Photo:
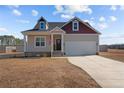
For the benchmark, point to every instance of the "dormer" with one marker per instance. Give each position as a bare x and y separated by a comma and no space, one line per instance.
43,24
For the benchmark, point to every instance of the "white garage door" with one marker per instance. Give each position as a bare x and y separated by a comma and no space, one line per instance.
80,47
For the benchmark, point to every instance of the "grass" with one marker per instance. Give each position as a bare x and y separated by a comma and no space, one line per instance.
113,55
42,72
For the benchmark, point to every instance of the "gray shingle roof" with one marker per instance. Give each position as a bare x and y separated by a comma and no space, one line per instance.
51,25
54,24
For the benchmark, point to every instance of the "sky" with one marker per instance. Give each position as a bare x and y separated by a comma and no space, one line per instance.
107,19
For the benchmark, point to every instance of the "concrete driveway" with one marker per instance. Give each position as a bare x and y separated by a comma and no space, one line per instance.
106,72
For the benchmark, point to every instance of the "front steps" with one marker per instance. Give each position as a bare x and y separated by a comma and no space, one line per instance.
57,54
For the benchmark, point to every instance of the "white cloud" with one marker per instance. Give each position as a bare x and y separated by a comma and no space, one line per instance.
35,12
2,29
59,8
92,18
87,20
113,18
72,9
113,8
16,6
102,26
91,22
17,12
66,16
121,7
13,6
23,21
102,19
114,35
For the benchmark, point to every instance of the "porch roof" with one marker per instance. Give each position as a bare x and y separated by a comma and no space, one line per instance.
57,30
36,33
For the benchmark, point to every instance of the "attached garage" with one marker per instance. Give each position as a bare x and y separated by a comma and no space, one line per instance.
80,47
81,44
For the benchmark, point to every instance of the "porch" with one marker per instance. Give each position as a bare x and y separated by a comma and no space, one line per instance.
57,42
53,42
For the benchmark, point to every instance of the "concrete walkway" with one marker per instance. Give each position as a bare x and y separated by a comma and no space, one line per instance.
106,72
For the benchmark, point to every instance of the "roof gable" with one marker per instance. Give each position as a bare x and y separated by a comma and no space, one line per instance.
85,23
42,19
57,30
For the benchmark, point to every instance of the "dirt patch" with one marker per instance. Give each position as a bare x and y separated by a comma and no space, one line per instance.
42,72
113,55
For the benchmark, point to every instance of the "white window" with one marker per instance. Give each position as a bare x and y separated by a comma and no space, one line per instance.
75,25
42,25
40,41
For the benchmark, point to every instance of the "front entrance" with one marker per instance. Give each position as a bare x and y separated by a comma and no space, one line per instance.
58,44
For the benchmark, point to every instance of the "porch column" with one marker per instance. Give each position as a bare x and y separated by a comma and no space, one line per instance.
51,44
24,43
62,43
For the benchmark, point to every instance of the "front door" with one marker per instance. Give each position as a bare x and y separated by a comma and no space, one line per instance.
58,44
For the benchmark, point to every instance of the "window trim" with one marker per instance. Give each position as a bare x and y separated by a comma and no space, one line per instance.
39,37
40,25
75,21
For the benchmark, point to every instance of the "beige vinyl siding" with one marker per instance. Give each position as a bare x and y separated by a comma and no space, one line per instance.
67,38
79,37
31,44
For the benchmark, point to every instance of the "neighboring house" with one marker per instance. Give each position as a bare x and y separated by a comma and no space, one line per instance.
7,40
10,43
74,37
10,40
19,41
116,46
103,48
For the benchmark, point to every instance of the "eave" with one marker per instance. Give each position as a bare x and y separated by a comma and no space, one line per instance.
36,33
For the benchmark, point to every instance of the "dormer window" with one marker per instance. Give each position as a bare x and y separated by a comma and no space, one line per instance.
42,25
75,25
